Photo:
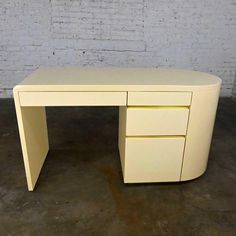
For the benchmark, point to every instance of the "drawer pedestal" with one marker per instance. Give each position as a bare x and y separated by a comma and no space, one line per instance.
152,135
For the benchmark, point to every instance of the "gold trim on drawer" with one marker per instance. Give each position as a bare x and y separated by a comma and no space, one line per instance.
157,107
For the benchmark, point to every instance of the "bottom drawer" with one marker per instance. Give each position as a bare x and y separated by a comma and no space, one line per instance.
157,159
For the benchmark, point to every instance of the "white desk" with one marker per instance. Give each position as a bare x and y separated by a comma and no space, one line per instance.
166,117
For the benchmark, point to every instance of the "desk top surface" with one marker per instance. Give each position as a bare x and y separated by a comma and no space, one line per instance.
115,79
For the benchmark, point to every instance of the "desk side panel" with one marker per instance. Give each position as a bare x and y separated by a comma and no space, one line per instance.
32,127
199,133
122,134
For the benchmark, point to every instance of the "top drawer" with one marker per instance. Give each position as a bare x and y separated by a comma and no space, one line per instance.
159,98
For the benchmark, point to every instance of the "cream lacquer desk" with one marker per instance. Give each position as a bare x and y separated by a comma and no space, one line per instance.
166,117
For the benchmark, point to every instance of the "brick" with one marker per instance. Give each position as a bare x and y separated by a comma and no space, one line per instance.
198,35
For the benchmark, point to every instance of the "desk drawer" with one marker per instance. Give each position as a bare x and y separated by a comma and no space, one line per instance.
72,98
159,98
153,159
156,121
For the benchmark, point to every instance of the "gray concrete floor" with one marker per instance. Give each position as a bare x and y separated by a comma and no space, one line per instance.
80,189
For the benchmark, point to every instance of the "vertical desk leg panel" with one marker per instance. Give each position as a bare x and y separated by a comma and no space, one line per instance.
199,134
32,126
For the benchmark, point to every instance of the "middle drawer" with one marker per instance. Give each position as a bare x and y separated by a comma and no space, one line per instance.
156,121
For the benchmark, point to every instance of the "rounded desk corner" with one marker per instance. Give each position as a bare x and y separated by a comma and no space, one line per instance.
212,81
218,81
192,178
17,88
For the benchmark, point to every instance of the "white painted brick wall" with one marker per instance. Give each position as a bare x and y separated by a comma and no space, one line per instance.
199,35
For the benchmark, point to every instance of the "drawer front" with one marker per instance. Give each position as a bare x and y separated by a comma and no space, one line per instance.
153,159
73,98
159,98
157,121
